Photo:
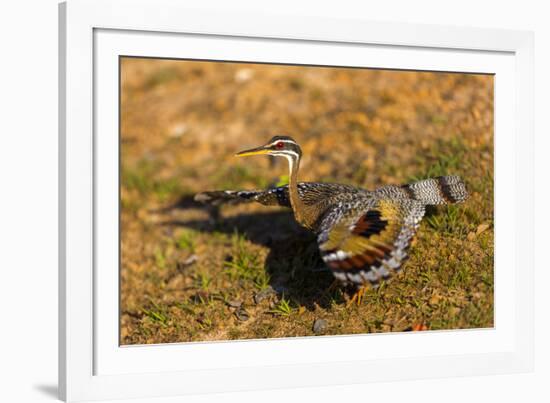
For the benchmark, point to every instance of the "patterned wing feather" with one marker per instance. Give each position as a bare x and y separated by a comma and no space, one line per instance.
366,245
310,193
271,197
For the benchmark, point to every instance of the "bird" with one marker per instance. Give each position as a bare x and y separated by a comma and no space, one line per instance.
363,235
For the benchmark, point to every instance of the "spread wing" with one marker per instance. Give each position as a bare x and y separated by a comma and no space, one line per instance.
366,241
310,193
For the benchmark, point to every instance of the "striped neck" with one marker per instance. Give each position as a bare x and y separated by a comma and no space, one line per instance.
298,207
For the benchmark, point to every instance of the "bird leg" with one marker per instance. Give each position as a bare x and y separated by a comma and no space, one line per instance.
357,297
334,285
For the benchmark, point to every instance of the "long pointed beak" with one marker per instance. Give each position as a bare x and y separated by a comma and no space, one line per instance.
253,151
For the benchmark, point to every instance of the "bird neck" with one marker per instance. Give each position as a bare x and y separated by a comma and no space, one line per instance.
298,207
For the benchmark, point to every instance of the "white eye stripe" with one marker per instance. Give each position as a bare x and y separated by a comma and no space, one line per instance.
286,153
282,141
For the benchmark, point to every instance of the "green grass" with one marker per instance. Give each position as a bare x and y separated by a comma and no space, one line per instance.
156,314
162,76
282,308
296,83
203,281
160,259
244,265
262,280
142,178
445,157
449,220
234,176
187,241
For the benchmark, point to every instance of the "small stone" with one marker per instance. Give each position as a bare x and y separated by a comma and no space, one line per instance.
264,294
187,262
200,297
320,326
242,314
243,75
234,303
178,130
191,259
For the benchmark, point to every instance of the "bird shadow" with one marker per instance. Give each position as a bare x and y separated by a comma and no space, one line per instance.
294,266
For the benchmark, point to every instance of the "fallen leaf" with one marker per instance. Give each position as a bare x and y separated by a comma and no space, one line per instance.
481,228
434,300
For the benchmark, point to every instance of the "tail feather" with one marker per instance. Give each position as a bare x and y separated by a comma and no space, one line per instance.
440,190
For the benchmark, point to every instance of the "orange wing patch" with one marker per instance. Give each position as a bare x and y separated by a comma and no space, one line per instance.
368,246
370,224
366,242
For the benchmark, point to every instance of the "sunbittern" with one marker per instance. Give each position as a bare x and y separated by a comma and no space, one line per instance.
363,235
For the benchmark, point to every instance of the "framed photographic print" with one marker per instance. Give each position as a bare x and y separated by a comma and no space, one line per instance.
378,229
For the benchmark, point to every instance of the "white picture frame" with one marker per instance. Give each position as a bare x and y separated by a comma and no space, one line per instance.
93,34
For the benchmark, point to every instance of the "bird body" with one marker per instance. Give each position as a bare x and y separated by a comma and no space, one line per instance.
363,235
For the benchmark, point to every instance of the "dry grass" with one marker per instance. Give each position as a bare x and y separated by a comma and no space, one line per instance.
195,274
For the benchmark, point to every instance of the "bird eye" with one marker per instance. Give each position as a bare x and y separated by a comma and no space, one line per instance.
279,145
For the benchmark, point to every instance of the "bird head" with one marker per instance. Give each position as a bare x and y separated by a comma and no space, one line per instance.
280,146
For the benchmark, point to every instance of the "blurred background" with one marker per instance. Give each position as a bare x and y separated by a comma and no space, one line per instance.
191,273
